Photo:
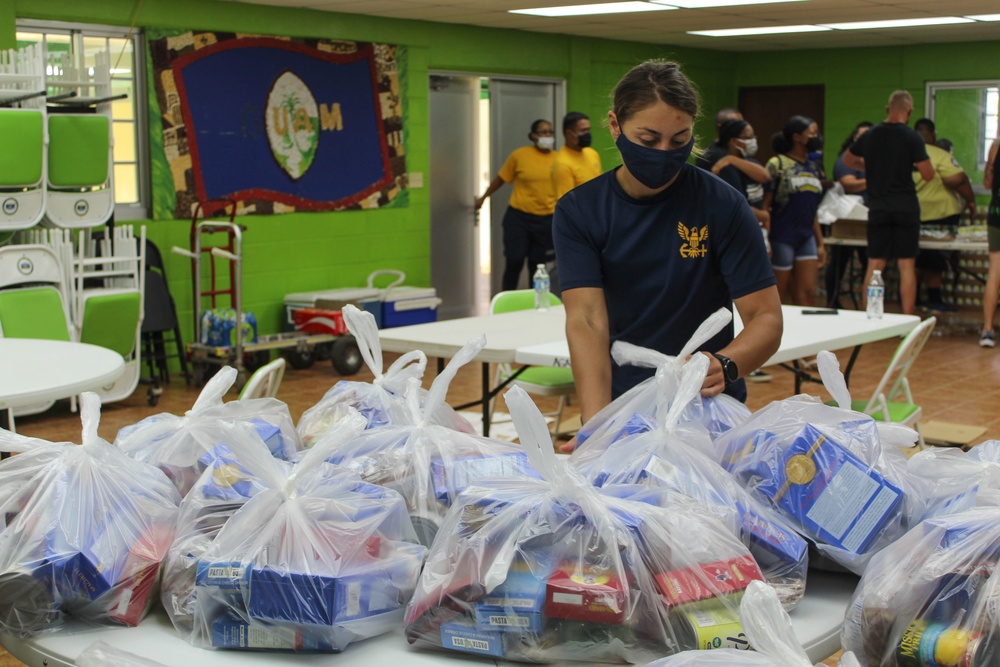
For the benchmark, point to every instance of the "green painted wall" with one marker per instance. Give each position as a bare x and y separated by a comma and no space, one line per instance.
858,81
957,116
308,251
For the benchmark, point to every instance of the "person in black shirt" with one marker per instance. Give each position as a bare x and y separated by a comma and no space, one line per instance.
991,180
887,154
716,150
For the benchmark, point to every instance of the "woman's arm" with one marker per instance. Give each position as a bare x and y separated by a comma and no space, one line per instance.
989,175
853,184
757,172
495,185
589,347
759,340
820,243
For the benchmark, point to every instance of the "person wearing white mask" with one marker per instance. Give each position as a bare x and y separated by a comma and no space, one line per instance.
527,224
648,250
740,170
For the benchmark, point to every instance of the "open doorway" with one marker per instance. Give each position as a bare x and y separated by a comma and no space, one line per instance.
475,123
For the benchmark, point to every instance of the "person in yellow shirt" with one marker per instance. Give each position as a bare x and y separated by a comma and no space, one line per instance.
576,162
527,224
941,205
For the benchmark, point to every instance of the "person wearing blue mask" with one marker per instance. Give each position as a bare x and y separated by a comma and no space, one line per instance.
648,250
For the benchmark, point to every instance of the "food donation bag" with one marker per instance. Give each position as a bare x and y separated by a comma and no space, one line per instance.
314,560
427,463
931,599
638,408
972,476
553,569
183,447
673,460
769,631
381,401
84,528
826,471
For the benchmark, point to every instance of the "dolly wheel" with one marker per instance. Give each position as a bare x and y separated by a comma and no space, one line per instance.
346,356
299,359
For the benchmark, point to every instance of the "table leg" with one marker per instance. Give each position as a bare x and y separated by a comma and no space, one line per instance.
850,365
4,424
440,365
486,400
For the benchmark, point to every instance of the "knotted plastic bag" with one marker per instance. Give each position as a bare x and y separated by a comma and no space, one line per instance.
553,569
315,560
82,530
382,401
673,460
932,597
430,464
184,446
638,408
828,471
956,475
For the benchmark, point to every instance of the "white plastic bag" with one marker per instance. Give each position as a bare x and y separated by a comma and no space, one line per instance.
957,476
102,654
381,401
552,569
932,597
82,530
427,463
673,459
837,205
184,446
315,560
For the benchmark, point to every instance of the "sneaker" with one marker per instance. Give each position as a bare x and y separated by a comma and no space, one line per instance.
759,376
987,339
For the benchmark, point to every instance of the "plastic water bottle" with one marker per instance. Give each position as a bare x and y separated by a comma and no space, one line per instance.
876,296
541,283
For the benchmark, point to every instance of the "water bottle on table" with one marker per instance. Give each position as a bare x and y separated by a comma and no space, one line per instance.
876,296
541,283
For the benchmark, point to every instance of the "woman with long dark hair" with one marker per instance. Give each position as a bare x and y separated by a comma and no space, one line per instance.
797,248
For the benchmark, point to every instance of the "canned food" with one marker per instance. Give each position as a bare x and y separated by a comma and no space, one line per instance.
929,644
708,625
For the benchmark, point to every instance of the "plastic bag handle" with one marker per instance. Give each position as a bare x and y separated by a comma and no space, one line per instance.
532,431
768,627
343,431
90,417
692,378
361,323
708,329
215,389
439,388
412,364
627,354
833,378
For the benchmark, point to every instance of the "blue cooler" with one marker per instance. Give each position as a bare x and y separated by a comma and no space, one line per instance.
402,306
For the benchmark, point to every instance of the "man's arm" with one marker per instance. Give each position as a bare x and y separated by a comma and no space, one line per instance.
853,184
925,168
759,340
855,162
961,184
757,172
989,175
589,338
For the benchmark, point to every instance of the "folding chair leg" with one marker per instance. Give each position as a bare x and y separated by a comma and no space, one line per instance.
559,411
920,437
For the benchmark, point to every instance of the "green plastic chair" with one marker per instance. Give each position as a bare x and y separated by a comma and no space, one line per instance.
538,380
22,168
80,192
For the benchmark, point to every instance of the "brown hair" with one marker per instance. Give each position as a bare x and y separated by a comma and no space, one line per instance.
651,82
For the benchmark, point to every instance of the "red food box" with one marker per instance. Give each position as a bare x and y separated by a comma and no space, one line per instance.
708,580
590,595
319,321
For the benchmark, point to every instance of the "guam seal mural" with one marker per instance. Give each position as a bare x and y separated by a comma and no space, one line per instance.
292,121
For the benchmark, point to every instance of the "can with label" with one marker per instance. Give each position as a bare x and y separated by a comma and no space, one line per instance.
932,644
708,624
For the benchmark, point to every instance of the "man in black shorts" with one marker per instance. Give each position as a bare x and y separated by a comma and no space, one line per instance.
888,154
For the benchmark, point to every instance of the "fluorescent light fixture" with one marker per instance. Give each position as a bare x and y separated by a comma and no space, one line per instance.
702,4
600,8
765,30
898,23
985,17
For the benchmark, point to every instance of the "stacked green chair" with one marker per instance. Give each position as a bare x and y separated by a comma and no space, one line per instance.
22,135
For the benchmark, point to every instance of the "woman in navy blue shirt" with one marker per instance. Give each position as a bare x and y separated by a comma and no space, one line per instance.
647,251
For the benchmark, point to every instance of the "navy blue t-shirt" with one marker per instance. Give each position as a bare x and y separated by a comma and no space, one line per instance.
840,170
753,190
665,263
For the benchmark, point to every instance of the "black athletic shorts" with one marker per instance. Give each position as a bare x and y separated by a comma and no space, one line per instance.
893,234
934,260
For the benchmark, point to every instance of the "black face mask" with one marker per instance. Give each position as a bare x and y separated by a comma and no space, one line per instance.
652,167
814,144
584,140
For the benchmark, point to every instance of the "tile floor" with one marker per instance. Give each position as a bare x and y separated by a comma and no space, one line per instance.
954,380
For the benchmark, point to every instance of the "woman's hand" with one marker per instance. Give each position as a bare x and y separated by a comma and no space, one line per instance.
821,255
721,164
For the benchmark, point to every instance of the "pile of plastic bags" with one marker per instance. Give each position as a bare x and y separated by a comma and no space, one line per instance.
82,530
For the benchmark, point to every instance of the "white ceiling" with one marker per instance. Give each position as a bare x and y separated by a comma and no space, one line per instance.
670,27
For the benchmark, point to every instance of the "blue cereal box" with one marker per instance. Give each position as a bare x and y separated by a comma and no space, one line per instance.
515,605
231,631
464,636
224,575
834,494
451,478
769,540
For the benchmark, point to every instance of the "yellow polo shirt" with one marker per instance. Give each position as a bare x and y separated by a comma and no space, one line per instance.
936,200
531,172
574,168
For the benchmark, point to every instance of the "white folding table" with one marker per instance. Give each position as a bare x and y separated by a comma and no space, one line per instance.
816,621
34,371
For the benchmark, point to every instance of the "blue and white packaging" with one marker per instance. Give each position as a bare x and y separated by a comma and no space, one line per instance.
454,476
226,576
464,636
515,605
231,631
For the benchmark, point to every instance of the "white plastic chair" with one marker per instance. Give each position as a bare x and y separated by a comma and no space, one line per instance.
884,404
265,381
538,380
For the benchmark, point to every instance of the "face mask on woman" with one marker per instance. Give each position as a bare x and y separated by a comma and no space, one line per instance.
652,167
749,147
546,143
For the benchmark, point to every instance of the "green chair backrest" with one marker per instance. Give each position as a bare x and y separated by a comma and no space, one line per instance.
111,320
524,299
23,147
35,312
78,150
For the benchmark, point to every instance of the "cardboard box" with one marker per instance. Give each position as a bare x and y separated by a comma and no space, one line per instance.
769,541
585,595
850,229
451,478
465,637
515,605
709,580
231,631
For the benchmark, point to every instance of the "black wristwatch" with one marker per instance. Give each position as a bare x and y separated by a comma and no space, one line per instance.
729,370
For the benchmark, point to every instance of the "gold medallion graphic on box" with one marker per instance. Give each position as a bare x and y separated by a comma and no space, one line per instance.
694,238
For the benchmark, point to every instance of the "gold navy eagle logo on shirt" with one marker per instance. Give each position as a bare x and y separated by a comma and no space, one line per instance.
693,239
